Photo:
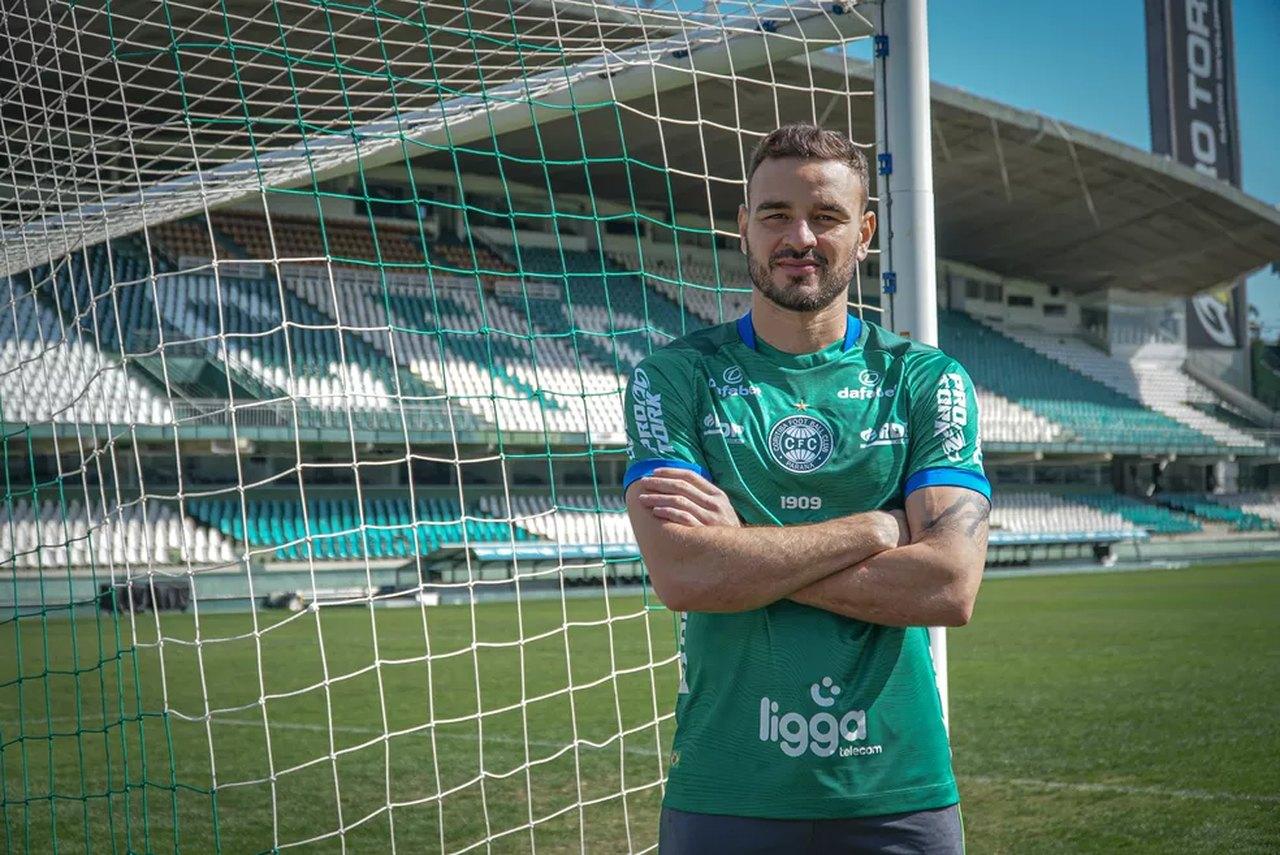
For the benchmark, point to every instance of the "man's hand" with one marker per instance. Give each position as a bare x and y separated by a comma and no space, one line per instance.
701,558
685,497
931,581
904,528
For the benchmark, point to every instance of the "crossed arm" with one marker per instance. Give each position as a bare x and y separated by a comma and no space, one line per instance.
921,568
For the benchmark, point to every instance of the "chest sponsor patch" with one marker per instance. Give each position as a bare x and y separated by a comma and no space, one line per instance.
800,443
889,433
731,431
734,385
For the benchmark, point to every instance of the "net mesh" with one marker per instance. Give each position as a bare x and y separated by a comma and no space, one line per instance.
314,327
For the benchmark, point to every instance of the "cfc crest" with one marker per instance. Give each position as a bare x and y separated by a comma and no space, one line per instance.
800,443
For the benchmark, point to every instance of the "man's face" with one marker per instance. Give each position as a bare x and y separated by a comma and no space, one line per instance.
805,231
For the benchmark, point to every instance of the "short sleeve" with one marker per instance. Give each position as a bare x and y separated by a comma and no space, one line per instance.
662,422
945,447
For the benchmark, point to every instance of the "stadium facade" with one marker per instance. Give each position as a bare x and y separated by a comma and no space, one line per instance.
336,306
443,341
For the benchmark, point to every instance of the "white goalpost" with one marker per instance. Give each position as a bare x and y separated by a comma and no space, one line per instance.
908,249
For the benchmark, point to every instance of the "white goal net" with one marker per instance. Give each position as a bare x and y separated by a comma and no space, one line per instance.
314,324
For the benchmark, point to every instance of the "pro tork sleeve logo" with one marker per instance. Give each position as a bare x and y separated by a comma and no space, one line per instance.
953,416
651,429
800,443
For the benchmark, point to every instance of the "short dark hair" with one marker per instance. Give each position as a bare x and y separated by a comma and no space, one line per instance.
807,141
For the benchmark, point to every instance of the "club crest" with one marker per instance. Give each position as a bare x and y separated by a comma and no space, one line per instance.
800,443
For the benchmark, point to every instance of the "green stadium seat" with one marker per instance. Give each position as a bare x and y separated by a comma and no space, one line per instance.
1206,508
334,526
1092,412
1156,519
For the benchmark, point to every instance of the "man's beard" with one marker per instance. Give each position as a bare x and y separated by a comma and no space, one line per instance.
832,283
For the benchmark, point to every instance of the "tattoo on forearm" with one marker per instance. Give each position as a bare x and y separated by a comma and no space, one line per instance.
968,512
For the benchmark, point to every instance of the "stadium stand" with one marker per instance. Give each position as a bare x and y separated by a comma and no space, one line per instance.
335,529
589,279
527,363
282,342
108,293
105,294
354,242
542,374
712,287
1092,412
82,534
392,527
189,238
1037,513
1265,505
523,358
289,238
461,259
483,356
53,375
577,519
1219,509
1163,388
1002,420
206,337
1156,519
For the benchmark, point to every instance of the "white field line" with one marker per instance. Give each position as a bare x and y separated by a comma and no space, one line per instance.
362,729
1074,786
1123,789
501,740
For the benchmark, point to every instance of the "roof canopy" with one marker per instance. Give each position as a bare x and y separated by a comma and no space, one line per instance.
181,120
1017,192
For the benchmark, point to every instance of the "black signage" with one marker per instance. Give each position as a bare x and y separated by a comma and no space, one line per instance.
1192,87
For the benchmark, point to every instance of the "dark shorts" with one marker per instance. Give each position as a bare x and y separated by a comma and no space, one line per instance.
924,832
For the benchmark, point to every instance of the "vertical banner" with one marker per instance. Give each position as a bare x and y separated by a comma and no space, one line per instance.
1191,84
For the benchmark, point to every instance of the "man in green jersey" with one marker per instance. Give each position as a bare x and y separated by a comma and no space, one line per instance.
807,490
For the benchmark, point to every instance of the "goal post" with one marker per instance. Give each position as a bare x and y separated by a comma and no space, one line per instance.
908,249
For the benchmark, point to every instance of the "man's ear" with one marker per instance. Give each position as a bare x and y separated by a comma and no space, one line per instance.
742,228
866,231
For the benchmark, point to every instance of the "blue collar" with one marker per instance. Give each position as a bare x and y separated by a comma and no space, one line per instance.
747,332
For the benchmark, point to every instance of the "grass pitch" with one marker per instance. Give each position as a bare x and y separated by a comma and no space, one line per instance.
1127,712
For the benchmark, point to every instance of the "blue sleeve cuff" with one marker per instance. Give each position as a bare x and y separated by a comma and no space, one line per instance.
947,476
641,468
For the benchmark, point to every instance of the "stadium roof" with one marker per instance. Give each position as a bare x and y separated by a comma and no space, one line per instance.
1017,192
1027,195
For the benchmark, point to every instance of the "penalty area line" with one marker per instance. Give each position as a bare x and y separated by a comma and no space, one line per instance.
1122,789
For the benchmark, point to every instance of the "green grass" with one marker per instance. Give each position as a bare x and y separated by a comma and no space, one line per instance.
1128,712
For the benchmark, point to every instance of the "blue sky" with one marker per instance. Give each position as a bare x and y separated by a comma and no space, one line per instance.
1084,61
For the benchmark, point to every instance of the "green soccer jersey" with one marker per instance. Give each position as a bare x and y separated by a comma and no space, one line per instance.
790,711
